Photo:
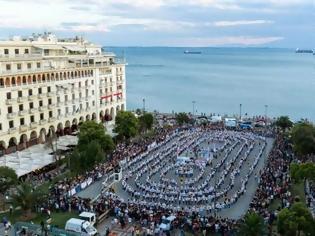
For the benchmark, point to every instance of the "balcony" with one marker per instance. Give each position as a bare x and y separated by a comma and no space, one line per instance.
22,113
41,95
52,119
42,122
21,99
23,128
11,115
51,106
42,108
31,97
50,94
12,130
33,125
59,117
10,101
32,110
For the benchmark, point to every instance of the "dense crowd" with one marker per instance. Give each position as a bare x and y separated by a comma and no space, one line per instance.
273,180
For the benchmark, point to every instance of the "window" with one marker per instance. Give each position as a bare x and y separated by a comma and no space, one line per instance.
0,126
66,98
29,65
21,107
41,116
49,101
58,99
87,105
20,94
16,51
59,112
6,51
80,95
48,89
93,103
79,84
39,90
31,105
86,83
26,51
73,108
92,92
8,95
92,82
32,119
11,124
10,110
67,110
50,114
30,92
73,96
8,67
40,103
38,64
19,66
22,121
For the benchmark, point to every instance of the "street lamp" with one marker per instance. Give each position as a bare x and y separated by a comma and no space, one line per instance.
193,103
241,111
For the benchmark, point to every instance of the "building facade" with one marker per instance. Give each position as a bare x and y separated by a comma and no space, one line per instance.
49,86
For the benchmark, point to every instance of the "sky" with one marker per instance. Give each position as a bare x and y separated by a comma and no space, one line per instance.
199,23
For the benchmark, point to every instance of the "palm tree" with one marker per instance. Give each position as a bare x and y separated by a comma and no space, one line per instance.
253,225
27,198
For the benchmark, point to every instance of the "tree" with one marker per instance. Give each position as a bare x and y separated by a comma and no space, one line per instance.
86,157
27,198
294,220
126,125
146,121
8,178
284,122
92,131
302,171
182,118
253,225
303,138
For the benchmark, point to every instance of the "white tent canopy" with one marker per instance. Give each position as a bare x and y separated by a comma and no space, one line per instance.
35,157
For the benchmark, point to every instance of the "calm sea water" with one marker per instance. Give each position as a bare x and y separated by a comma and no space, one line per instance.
220,79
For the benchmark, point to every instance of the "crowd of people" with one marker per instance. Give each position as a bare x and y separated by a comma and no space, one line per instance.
274,182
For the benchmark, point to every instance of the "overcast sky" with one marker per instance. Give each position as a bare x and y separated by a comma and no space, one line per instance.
271,23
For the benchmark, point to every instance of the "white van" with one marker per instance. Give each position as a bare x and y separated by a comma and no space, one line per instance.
167,223
80,226
88,216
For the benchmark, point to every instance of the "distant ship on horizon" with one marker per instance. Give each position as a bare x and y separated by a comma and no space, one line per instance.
192,52
304,51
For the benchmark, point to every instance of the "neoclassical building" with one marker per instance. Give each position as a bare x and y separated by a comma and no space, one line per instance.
49,86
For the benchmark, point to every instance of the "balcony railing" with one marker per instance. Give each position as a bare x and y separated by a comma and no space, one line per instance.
42,108
33,125
31,97
10,101
52,119
11,115
32,110
42,122
21,99
22,113
12,130
23,128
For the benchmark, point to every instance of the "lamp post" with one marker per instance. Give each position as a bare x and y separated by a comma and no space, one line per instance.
193,103
143,101
240,111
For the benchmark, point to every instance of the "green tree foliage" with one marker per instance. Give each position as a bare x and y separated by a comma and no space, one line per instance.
295,220
303,138
146,122
92,131
27,198
8,178
86,158
182,118
253,225
302,171
126,125
284,122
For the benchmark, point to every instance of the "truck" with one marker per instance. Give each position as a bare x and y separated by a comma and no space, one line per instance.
88,216
80,226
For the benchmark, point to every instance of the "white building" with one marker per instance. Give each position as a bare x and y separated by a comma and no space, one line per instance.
50,85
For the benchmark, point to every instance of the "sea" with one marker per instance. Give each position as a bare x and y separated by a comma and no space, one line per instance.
268,81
